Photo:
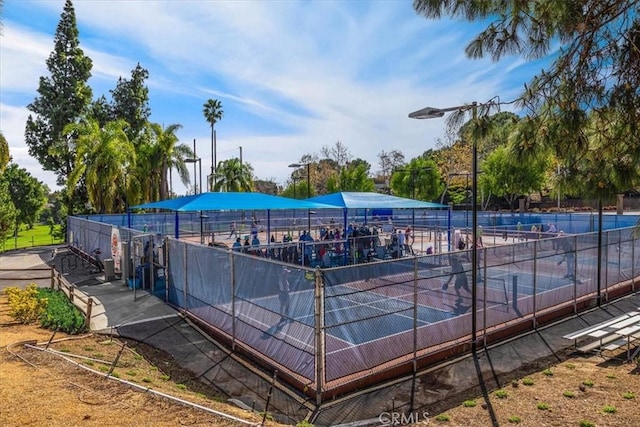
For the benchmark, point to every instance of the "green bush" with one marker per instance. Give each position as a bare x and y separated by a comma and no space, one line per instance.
501,394
51,308
60,313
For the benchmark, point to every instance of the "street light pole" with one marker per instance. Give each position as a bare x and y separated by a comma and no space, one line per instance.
430,113
195,160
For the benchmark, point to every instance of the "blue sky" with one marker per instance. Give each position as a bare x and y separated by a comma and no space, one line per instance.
292,76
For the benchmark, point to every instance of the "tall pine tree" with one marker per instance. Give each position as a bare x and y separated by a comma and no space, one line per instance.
131,102
64,97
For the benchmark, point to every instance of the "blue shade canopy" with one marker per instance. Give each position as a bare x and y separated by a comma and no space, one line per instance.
232,201
356,200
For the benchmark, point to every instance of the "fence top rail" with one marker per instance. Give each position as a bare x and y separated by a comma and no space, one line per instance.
69,286
27,269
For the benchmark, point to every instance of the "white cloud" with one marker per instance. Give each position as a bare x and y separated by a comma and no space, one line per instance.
292,76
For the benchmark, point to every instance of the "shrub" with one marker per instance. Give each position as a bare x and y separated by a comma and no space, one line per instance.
609,409
443,418
24,304
514,419
568,394
629,395
548,372
501,394
60,313
469,403
304,423
587,383
527,381
586,423
542,406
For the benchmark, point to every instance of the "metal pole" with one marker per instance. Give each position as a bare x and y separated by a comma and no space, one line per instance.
309,196
194,167
599,266
320,357
474,250
200,169
466,204
215,159
201,234
448,227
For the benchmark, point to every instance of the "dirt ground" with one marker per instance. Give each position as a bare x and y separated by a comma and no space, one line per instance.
42,388
582,391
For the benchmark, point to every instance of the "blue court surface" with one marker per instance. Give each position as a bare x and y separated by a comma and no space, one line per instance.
384,316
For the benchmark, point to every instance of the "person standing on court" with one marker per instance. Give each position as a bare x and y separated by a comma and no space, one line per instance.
457,272
232,229
283,293
568,255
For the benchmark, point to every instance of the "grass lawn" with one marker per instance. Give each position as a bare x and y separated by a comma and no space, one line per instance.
37,236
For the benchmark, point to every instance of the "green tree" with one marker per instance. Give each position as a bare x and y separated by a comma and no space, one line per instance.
131,102
166,154
596,70
63,99
8,212
4,152
212,111
233,176
355,177
504,176
101,111
420,179
27,194
104,157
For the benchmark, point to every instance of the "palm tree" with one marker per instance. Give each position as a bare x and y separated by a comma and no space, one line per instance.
233,176
104,158
167,153
212,110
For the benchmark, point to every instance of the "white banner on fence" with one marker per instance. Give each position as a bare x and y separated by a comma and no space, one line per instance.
116,250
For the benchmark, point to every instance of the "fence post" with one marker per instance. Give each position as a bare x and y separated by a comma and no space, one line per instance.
71,288
53,277
320,356
88,318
